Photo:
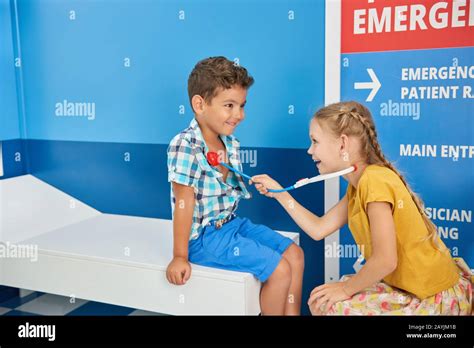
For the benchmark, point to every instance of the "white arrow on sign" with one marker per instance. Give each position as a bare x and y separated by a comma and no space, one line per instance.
374,85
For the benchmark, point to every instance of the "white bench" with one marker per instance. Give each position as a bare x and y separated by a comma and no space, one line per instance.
108,258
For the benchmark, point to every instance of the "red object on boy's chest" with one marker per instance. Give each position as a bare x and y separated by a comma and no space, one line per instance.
213,158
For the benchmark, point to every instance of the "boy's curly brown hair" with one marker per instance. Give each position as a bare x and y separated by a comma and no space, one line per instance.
213,73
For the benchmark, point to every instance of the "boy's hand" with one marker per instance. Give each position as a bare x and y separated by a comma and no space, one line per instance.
263,183
178,271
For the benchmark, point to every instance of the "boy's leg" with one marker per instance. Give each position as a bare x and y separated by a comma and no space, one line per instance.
274,293
295,257
293,254
227,249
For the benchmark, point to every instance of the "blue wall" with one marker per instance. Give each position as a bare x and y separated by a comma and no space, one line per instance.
15,157
9,120
129,60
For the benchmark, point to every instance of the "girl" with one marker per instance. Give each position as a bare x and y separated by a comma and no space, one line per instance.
409,269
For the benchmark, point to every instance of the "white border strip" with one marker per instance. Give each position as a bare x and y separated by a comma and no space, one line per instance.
332,94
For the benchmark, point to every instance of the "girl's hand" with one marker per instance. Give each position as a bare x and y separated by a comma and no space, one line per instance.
263,183
324,296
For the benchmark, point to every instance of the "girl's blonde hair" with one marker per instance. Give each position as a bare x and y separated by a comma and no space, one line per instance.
354,119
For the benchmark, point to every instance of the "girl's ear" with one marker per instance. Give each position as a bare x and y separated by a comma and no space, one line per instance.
198,104
344,142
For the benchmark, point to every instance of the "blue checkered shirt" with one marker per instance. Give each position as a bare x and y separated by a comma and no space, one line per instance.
187,165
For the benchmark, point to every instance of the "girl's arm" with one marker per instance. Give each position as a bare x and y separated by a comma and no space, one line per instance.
383,260
316,227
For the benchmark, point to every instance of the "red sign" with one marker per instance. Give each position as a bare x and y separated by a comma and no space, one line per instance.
387,25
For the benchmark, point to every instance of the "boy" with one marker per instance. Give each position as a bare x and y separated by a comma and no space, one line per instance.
204,199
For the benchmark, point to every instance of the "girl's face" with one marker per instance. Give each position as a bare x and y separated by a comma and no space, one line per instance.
326,150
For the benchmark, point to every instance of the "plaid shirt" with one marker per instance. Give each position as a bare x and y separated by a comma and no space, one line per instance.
187,165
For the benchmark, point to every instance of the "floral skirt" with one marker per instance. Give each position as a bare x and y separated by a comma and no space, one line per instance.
382,299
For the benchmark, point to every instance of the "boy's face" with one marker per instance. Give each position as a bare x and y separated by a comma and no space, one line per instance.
224,112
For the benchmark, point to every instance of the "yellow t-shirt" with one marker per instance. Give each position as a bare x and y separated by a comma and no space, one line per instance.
422,269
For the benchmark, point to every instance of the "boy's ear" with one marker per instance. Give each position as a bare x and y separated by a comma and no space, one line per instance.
198,104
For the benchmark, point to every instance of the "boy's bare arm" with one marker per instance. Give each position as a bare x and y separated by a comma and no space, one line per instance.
179,269
182,218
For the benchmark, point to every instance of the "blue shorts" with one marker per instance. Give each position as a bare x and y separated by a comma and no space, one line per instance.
239,245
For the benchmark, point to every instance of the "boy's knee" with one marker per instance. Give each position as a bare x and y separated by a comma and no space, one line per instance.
295,255
282,272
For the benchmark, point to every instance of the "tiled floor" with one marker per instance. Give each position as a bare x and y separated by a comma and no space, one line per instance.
38,303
